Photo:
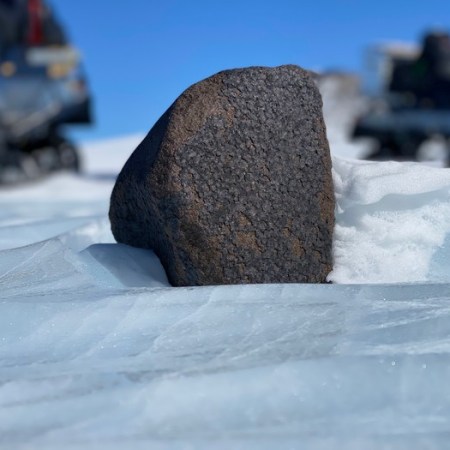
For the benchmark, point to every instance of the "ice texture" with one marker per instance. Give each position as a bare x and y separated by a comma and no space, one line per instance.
98,351
87,358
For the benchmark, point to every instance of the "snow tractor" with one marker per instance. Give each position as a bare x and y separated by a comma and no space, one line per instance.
42,87
409,88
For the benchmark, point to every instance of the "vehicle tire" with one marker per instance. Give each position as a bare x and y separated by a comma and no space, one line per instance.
435,150
46,158
69,158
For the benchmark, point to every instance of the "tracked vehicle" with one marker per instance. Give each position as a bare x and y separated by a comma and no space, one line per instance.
410,100
42,87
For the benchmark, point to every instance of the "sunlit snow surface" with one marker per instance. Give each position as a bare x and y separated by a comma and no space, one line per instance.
98,351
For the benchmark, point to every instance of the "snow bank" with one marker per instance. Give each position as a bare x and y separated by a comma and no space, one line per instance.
392,222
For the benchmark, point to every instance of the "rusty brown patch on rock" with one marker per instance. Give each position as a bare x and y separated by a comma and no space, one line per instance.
294,242
194,107
244,221
297,247
248,240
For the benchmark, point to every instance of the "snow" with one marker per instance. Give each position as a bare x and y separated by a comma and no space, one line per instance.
392,223
98,351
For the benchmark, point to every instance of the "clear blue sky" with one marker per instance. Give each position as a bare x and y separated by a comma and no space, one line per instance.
141,54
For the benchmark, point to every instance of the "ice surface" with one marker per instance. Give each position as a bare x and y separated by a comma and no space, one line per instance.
111,364
88,362
98,351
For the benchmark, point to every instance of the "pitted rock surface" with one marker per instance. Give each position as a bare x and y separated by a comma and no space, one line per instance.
233,183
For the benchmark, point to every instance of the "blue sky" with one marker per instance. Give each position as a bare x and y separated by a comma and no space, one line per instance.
141,54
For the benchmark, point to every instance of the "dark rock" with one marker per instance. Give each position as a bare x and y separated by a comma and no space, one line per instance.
233,183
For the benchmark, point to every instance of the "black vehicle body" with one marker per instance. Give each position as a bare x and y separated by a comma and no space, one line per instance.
40,90
412,104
